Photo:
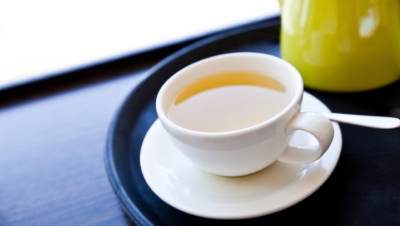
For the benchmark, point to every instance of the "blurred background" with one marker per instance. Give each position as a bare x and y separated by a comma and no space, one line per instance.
43,38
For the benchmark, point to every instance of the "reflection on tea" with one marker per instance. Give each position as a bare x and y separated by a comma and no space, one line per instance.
229,101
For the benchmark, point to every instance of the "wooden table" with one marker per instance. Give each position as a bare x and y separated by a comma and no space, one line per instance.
53,135
52,141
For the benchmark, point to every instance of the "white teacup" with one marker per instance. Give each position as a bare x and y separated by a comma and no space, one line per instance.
234,114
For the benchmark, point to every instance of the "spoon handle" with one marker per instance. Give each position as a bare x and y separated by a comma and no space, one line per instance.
379,122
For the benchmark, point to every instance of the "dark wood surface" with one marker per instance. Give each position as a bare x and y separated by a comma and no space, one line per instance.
53,136
52,141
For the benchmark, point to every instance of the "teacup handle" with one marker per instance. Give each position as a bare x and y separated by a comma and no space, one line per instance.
317,125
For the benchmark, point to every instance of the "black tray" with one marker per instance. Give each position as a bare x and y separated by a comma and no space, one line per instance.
364,189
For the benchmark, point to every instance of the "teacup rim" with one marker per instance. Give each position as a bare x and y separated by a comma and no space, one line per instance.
297,95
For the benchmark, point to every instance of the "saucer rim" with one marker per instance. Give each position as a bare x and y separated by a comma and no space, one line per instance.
336,147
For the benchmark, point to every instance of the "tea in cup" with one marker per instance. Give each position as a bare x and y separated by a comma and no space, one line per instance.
234,114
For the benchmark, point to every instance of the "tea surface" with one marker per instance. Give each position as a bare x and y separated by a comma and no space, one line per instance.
229,101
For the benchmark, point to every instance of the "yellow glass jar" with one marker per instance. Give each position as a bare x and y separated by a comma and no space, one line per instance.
342,45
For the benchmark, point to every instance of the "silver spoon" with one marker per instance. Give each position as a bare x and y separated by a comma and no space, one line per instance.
378,122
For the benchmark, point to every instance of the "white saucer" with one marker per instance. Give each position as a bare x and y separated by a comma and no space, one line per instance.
182,185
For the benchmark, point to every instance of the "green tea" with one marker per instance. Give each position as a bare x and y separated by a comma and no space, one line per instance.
229,101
